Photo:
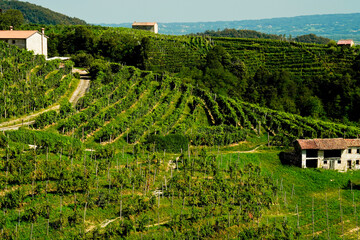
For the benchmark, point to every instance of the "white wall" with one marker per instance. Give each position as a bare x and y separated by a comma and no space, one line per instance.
38,44
353,156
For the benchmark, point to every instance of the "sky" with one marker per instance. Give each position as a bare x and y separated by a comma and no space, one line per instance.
121,11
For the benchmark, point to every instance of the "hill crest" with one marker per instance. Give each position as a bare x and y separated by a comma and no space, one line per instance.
39,15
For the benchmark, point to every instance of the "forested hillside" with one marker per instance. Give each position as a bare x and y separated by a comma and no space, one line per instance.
39,15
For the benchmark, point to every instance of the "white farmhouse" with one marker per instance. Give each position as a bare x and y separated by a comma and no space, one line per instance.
148,26
334,153
30,40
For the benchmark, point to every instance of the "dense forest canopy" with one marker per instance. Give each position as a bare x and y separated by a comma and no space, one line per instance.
39,15
11,17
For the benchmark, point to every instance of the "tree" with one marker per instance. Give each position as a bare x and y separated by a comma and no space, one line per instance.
11,18
312,106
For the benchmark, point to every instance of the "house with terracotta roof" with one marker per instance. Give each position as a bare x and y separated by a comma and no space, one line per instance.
346,42
29,40
333,153
148,26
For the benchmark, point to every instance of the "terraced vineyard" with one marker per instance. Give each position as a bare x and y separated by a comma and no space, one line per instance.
172,53
28,83
139,104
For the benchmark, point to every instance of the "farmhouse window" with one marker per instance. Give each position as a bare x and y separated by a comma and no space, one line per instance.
325,162
357,162
14,42
358,150
311,153
339,161
349,150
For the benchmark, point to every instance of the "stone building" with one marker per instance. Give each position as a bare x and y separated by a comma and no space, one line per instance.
148,26
335,153
30,40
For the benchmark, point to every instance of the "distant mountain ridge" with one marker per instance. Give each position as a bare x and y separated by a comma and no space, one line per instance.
333,26
40,15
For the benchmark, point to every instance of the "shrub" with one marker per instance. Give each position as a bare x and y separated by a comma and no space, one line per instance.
65,108
45,119
82,59
171,143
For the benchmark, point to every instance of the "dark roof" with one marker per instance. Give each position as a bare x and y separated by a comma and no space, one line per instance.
328,143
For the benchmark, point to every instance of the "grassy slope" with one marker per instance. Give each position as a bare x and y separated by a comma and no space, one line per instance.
309,184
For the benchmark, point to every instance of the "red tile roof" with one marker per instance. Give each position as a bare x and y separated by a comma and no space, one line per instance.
144,23
345,42
17,34
353,142
328,144
307,144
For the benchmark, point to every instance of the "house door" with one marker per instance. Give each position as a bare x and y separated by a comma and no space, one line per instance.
332,164
349,164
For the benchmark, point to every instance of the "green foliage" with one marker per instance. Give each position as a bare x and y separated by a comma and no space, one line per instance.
82,59
46,119
12,199
171,143
46,140
239,34
28,83
11,18
274,231
65,108
312,38
40,15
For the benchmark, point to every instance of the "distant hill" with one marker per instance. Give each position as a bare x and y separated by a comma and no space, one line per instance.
333,26
40,15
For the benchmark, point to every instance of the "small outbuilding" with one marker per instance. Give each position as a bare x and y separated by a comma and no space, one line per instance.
346,42
335,153
148,26
29,40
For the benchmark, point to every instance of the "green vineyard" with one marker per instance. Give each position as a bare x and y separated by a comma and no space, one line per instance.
173,139
137,104
28,83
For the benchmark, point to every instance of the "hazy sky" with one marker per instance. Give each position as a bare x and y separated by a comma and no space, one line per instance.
120,11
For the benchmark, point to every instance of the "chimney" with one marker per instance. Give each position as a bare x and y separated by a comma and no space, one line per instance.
11,28
42,40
